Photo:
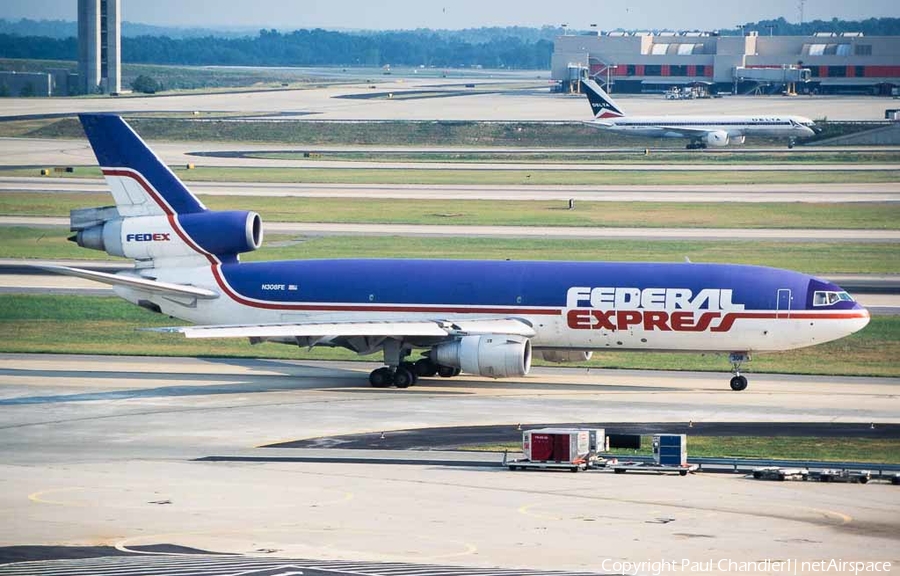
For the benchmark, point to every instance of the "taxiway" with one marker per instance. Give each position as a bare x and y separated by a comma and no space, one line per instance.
103,450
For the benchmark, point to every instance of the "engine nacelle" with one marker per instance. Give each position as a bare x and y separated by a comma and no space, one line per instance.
491,355
716,139
564,356
225,233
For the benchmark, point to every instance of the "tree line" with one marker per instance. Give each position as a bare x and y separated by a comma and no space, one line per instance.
513,47
305,48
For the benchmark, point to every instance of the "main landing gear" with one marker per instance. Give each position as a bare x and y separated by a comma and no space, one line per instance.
738,382
402,373
696,145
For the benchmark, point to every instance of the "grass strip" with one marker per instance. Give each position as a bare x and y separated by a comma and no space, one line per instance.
517,177
108,325
810,257
852,215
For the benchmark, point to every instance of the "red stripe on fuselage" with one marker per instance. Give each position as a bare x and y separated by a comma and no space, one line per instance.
729,318
164,206
727,321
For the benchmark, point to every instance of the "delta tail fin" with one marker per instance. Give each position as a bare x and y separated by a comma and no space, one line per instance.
602,104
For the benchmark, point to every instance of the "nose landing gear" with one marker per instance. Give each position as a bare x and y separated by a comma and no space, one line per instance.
738,382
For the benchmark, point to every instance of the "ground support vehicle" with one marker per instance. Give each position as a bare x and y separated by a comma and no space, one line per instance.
622,467
780,474
849,476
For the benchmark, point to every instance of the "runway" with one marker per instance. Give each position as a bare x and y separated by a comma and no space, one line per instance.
101,450
824,193
326,103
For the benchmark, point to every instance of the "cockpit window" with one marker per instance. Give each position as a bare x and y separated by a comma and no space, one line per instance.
827,298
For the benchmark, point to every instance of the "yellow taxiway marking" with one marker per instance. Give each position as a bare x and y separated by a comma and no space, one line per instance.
39,496
845,519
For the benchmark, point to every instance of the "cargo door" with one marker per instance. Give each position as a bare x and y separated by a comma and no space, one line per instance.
561,447
541,447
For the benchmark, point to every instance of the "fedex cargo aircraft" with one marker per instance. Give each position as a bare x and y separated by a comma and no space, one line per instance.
479,317
703,131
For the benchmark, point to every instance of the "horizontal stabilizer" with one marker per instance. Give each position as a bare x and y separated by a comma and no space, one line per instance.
398,329
135,282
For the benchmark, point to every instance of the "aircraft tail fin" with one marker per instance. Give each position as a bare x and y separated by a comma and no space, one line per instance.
140,182
602,104
156,220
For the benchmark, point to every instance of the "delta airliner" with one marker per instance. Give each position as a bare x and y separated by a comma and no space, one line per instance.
703,131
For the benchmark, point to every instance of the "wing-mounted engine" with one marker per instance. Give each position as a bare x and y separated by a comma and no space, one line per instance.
223,234
491,355
565,356
716,138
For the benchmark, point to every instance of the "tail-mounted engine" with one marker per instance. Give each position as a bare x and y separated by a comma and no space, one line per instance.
224,234
491,355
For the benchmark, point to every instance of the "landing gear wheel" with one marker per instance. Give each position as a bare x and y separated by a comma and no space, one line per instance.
403,378
381,378
447,371
412,370
739,383
790,143
425,368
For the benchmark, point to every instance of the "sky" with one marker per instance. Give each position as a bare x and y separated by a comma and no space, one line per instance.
455,14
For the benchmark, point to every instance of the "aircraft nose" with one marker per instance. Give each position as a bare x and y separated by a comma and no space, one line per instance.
863,316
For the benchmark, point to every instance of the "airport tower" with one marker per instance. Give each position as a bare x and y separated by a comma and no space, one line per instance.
99,46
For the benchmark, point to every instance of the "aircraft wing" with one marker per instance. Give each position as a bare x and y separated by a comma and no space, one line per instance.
388,329
688,132
136,282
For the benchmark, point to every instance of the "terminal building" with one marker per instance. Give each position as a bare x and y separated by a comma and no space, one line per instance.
824,63
99,46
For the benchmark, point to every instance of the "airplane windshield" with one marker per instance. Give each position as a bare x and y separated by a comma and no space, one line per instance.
827,298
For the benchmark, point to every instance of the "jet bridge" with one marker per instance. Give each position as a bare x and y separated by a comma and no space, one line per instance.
787,76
